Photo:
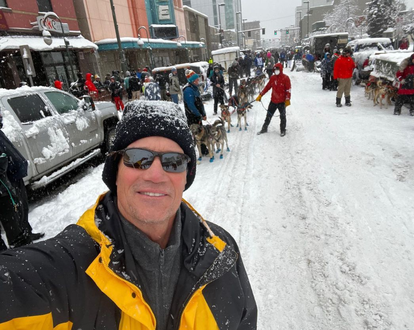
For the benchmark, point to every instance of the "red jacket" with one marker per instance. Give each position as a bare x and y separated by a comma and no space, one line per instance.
58,84
89,83
280,85
406,77
344,67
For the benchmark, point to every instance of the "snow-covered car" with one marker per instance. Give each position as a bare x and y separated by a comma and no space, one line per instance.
363,49
385,65
54,130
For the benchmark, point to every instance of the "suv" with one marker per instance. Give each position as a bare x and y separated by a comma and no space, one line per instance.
55,131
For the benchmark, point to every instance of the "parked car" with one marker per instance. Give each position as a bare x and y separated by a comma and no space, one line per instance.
54,130
198,67
362,50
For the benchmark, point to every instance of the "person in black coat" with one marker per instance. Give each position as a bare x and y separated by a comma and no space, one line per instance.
13,197
217,80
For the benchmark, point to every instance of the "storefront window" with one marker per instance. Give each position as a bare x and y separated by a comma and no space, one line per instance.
55,63
44,5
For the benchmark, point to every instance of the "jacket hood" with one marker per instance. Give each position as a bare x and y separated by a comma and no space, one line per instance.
88,76
279,66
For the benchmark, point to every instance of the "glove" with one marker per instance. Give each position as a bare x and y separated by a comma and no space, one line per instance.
287,103
258,98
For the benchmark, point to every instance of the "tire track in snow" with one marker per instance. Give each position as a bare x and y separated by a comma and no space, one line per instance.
338,287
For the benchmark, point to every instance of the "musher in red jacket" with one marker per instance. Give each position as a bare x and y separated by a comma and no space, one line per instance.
280,85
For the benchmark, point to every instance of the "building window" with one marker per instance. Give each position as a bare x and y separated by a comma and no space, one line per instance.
44,5
3,3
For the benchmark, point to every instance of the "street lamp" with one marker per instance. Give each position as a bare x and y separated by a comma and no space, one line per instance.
121,52
218,9
237,28
140,43
244,20
47,38
300,24
307,2
180,45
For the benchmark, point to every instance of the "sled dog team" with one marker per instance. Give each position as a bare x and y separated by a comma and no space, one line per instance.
214,136
380,92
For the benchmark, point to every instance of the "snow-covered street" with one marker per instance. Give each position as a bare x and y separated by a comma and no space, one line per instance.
324,216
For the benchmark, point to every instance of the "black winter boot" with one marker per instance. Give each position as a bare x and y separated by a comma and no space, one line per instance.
348,101
338,102
263,130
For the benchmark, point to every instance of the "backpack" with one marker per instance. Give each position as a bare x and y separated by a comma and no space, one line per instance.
6,188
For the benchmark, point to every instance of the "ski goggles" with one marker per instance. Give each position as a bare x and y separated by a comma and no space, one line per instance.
172,162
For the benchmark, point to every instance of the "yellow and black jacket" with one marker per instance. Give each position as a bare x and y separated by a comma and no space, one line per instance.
84,279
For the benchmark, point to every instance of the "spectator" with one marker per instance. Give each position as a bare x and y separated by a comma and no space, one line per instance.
14,215
162,83
126,85
404,44
115,88
136,86
98,83
92,91
217,80
174,85
270,63
343,70
405,77
152,90
233,72
58,83
258,62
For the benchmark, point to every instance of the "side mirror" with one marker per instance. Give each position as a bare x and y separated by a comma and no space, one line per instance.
88,103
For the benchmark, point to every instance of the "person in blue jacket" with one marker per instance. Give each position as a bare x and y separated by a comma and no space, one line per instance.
194,107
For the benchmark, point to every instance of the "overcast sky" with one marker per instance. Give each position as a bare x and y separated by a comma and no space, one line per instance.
276,14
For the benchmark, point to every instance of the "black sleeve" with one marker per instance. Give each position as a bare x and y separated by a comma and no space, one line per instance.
248,319
47,278
17,167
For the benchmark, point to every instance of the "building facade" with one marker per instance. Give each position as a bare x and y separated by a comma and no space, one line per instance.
151,33
43,58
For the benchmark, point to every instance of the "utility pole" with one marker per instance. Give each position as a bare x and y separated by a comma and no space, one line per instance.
121,51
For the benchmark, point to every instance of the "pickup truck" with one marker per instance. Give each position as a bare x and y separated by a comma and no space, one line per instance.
55,131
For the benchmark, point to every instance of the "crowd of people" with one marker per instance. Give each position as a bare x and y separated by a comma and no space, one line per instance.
131,86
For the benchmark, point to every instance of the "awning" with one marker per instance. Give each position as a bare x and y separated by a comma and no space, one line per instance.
132,43
36,43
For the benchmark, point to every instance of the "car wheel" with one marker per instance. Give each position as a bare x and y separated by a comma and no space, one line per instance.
109,139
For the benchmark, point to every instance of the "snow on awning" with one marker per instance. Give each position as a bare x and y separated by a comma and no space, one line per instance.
36,43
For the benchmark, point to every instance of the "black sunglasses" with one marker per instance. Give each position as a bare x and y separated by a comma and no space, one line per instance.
142,159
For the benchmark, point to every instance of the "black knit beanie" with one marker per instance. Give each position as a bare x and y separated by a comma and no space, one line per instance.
150,118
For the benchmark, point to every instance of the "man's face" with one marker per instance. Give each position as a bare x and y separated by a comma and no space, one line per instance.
196,82
150,197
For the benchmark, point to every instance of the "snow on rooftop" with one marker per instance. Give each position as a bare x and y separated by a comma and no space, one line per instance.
194,11
37,43
371,40
225,50
132,39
